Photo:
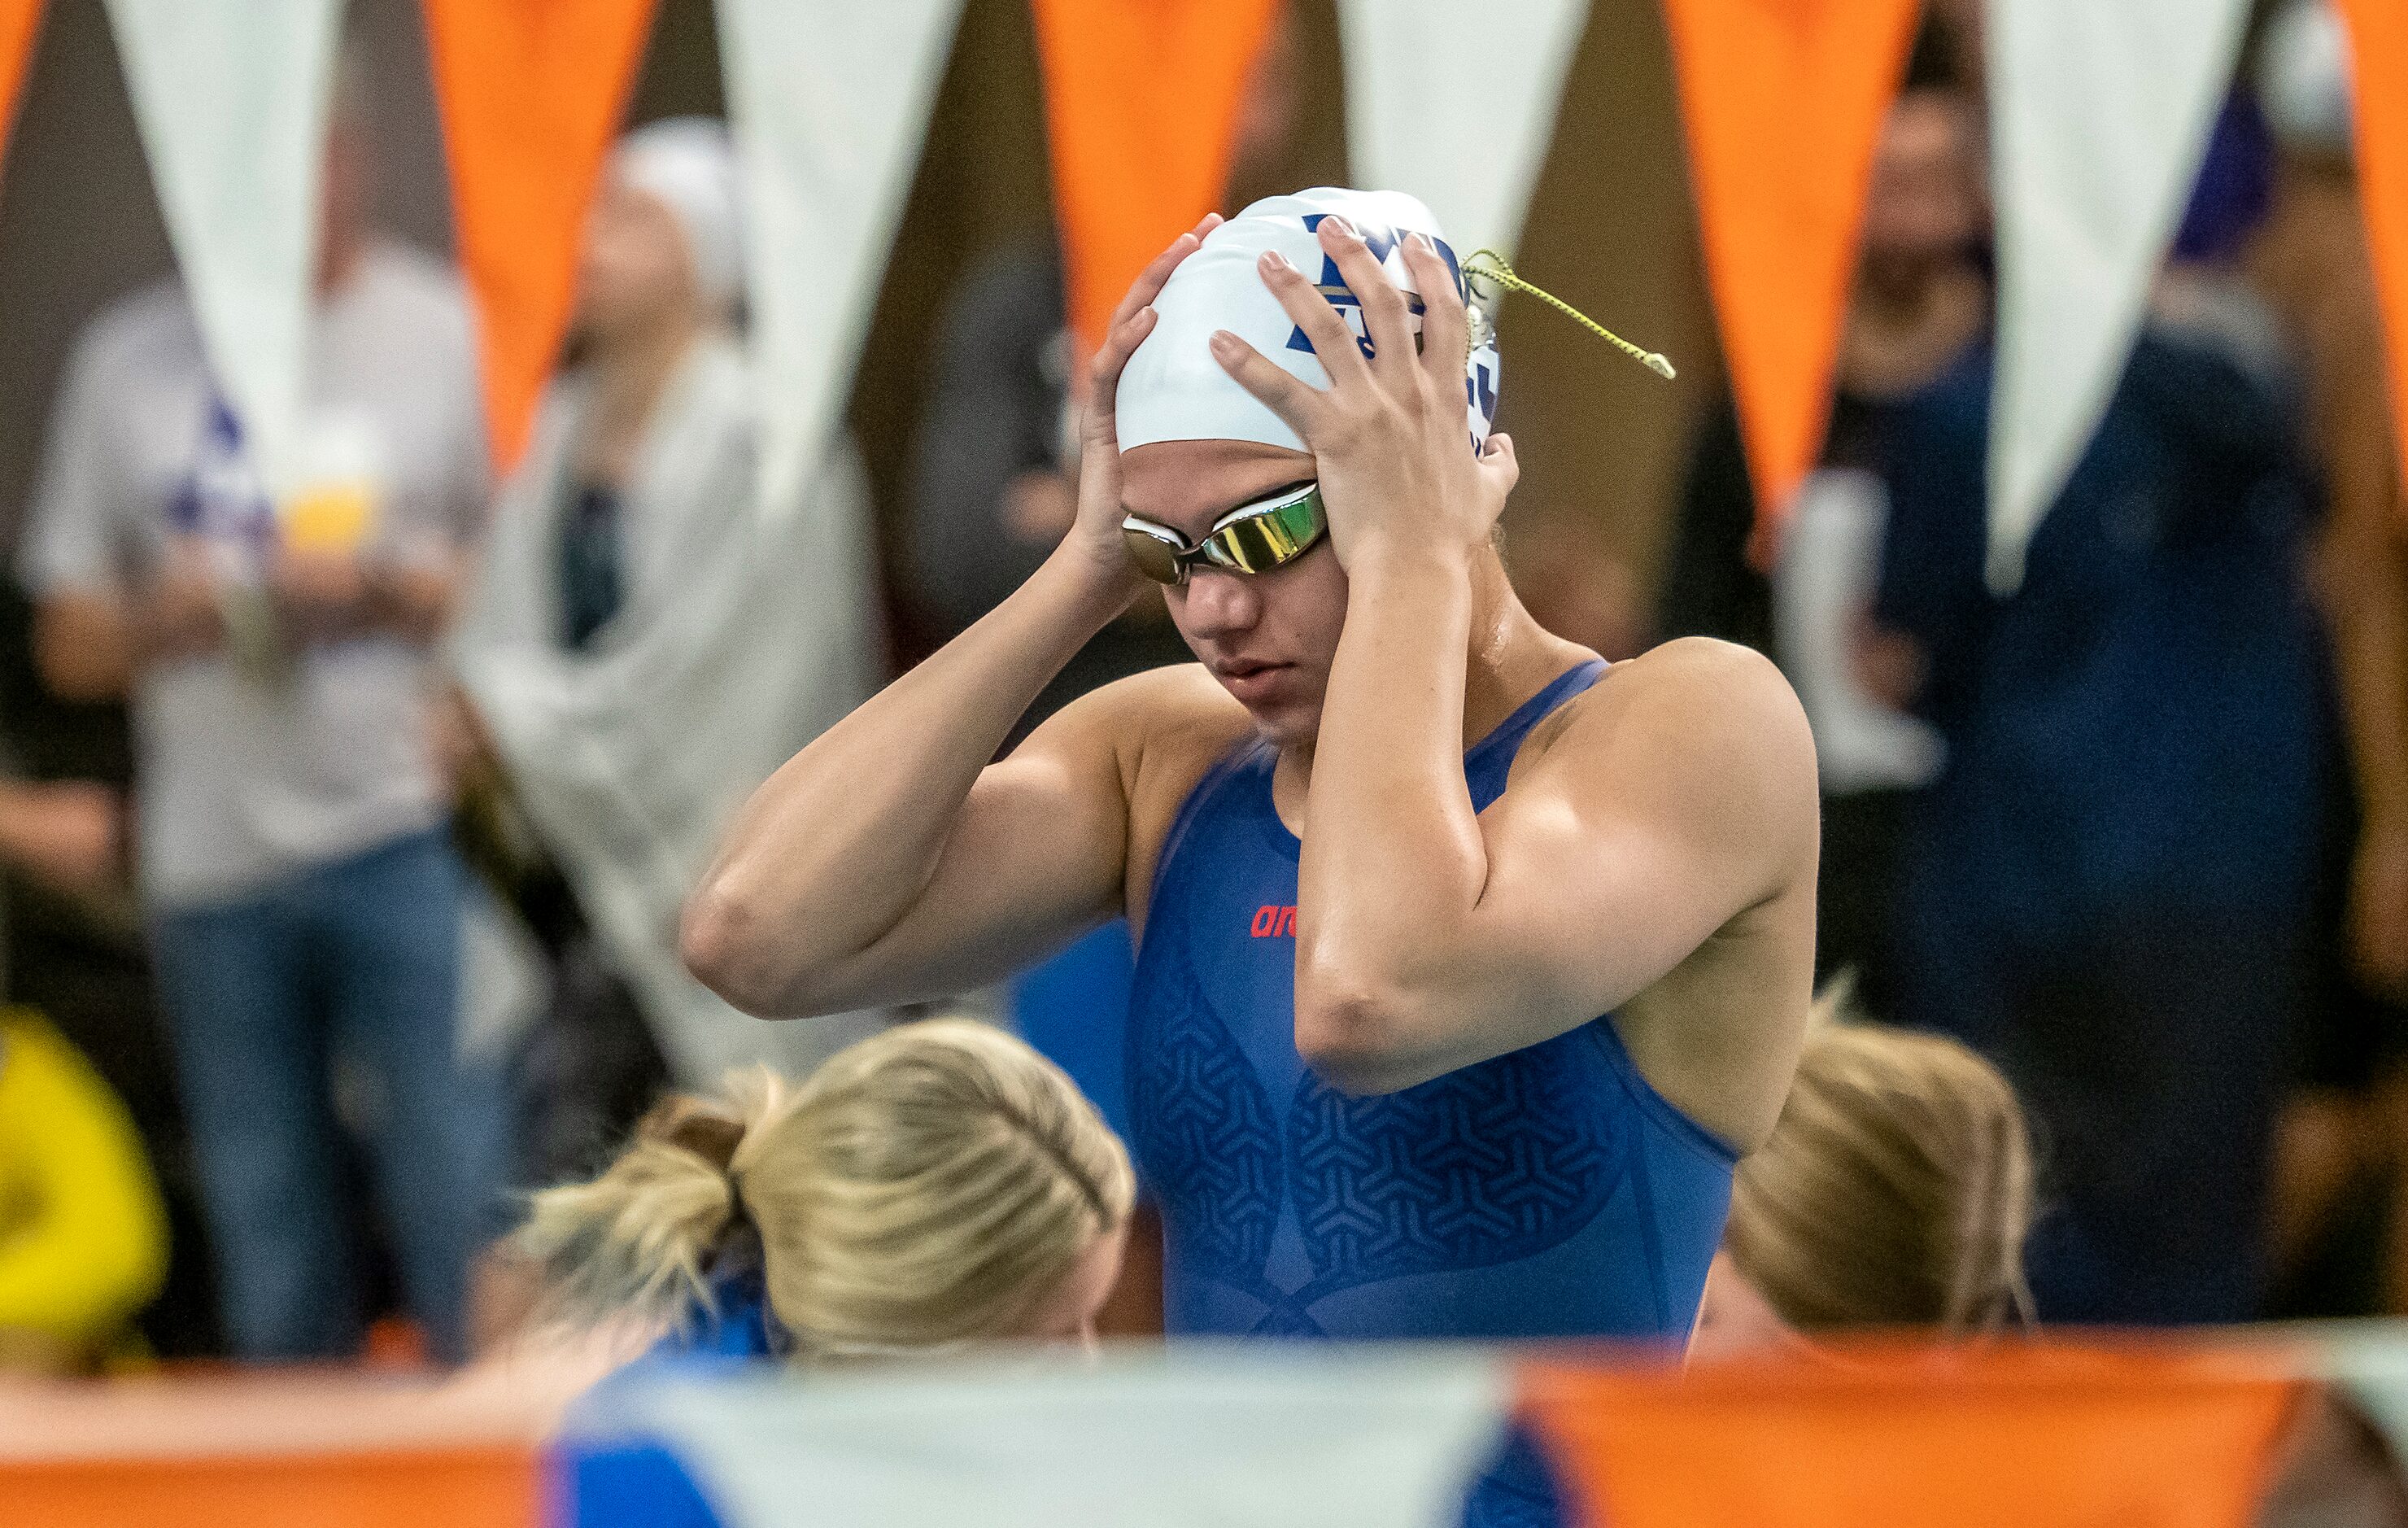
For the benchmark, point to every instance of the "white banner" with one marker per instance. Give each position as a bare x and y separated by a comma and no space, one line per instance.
231,99
1200,1436
2100,113
829,105
1456,104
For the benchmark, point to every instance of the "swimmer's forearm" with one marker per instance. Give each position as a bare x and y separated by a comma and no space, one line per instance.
1393,859
832,852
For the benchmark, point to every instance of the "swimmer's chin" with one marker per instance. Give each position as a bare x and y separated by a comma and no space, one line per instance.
1286,724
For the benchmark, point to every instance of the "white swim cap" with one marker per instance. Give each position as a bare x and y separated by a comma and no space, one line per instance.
1172,388
688,164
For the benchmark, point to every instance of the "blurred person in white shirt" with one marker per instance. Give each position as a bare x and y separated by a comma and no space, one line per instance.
303,896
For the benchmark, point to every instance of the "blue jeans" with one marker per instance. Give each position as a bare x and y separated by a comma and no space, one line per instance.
357,960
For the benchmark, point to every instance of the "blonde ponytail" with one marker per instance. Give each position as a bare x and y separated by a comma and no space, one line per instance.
640,1240
931,1185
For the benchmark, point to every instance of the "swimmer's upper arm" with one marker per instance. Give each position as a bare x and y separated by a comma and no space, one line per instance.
1036,855
1662,809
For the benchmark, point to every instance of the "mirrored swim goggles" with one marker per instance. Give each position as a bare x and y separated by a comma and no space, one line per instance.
1251,538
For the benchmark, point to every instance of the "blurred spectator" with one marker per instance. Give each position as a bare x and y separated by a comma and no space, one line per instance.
931,1191
2113,889
83,1239
63,833
72,945
1895,1191
1922,297
2347,1126
304,903
935,1185
646,642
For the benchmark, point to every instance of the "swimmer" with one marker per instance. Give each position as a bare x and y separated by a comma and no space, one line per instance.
1895,1191
936,1186
934,1189
1467,964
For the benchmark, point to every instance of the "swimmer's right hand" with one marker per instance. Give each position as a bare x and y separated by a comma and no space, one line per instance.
1095,538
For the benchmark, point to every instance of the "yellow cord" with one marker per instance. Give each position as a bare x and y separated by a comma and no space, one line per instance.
1488,266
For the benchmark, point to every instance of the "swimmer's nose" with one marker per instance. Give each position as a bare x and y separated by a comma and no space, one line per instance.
1218,604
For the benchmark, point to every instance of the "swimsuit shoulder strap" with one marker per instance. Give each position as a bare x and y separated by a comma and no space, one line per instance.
1491,760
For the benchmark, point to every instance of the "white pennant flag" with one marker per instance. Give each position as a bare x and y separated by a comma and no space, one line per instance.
231,98
2101,111
1455,104
1196,1437
829,105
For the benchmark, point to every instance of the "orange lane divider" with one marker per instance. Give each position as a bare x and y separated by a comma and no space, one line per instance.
2011,1437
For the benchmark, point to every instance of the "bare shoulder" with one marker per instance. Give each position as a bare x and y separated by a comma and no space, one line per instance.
1704,729
1704,679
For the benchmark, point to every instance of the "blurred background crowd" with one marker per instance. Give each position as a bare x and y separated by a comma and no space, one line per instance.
343,847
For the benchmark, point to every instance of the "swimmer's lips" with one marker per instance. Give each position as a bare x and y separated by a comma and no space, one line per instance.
1251,683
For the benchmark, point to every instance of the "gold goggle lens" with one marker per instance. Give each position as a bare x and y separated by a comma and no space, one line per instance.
1157,558
1252,539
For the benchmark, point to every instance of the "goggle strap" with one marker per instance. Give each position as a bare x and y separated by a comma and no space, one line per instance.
1488,266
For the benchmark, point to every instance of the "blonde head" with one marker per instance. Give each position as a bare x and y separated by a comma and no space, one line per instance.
934,1184
1896,1191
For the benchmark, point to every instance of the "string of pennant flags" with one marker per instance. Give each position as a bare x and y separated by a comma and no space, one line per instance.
2099,117
2180,1432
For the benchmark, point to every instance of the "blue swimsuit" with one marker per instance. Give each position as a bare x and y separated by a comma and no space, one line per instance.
1548,1192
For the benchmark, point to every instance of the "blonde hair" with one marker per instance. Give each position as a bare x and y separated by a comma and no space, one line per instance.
1895,1189
927,1185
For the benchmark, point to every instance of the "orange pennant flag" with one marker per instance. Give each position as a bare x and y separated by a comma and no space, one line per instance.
2378,44
1784,102
18,19
1140,100
531,91
2006,1438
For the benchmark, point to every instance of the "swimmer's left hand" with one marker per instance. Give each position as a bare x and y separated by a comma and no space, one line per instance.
1388,435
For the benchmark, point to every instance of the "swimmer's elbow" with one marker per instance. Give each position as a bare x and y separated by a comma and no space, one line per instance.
1352,1038
727,950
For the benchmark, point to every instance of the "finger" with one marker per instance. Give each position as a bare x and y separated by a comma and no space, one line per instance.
1148,284
1446,327
1386,317
1211,222
1501,466
1293,401
1332,340
1103,373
